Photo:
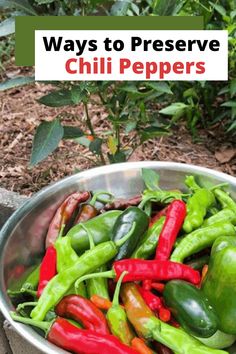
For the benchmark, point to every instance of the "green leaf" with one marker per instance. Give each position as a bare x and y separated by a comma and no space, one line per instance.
167,7
229,104
71,132
220,9
151,179
18,4
118,157
41,2
112,144
233,88
95,146
131,125
174,108
46,140
232,127
57,99
160,87
18,81
83,141
7,27
120,8
152,132
223,90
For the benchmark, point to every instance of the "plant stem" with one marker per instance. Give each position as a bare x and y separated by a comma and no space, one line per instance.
88,120
90,126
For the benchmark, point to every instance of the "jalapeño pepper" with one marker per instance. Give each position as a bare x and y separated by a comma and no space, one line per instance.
123,225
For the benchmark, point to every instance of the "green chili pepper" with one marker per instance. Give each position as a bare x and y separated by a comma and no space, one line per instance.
200,239
101,227
117,319
219,283
224,215
29,286
225,199
147,246
66,256
98,286
199,262
87,263
219,340
123,225
177,339
197,207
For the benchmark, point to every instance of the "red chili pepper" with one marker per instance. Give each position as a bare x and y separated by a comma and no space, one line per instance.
147,284
82,310
139,270
174,219
158,287
157,216
63,215
153,301
79,341
48,269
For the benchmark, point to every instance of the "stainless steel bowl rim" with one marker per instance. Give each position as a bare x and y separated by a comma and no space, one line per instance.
23,330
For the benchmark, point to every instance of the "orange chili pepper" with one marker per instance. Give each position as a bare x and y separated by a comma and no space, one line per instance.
101,302
204,273
164,314
90,137
139,345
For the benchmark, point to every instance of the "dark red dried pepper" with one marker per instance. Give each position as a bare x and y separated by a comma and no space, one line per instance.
48,269
174,220
82,310
63,215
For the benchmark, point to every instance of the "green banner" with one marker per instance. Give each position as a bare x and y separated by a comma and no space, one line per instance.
26,26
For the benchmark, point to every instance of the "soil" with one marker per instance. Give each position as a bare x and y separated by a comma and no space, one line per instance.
20,114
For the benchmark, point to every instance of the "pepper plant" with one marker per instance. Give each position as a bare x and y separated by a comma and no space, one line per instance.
131,120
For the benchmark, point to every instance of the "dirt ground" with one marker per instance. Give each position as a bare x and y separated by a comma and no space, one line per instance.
20,114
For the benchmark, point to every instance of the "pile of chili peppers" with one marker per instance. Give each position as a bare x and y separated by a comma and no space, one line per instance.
151,274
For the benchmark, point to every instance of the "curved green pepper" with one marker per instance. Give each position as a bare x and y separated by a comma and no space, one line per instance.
124,224
219,340
147,246
224,215
219,284
200,239
197,207
101,227
191,308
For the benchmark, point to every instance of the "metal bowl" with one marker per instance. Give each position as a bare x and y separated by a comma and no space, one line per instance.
22,237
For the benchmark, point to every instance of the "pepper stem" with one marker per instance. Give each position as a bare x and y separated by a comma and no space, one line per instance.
90,236
221,185
108,274
116,295
120,242
191,183
96,197
61,231
25,304
39,324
